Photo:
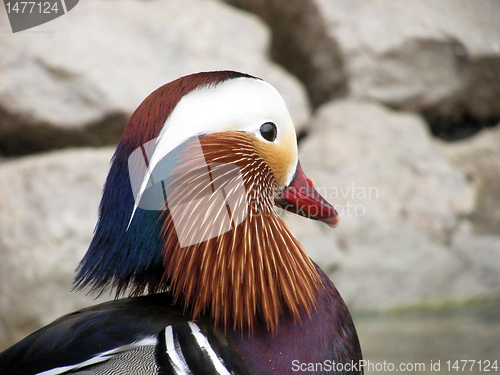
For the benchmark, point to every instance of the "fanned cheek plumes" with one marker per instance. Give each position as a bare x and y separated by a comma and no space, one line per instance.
248,265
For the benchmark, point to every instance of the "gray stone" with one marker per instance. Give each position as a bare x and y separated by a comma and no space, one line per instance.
420,55
48,210
301,44
482,256
441,57
402,204
479,158
77,79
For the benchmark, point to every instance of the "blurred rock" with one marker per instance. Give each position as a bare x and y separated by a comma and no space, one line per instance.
481,253
76,80
437,57
401,202
420,54
386,162
48,210
478,242
479,159
301,44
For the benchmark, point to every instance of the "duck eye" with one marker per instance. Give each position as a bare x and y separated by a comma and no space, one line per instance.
269,131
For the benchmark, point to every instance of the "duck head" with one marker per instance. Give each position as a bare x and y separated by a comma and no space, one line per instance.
189,204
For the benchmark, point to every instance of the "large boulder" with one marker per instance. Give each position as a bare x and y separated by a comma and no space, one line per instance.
479,244
77,79
479,159
302,44
405,211
48,210
438,57
420,54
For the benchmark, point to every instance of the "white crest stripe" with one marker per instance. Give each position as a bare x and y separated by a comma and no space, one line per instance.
239,104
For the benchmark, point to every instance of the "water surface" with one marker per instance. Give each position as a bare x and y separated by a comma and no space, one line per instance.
432,337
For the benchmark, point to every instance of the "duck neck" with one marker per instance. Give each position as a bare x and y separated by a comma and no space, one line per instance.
326,338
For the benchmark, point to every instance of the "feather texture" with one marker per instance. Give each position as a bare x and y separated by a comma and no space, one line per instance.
128,257
254,270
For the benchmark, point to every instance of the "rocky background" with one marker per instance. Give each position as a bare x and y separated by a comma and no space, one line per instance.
396,105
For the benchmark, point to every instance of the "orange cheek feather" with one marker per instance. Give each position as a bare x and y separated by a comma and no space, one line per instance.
281,157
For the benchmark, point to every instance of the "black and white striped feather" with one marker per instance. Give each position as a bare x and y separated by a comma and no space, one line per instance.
142,335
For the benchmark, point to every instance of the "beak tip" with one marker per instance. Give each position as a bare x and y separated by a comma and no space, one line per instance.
331,221
302,198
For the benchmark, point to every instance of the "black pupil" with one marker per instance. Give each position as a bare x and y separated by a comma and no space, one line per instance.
269,131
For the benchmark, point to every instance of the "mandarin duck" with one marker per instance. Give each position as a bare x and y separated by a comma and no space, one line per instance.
216,282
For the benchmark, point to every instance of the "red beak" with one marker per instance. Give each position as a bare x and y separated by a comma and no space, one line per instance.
302,198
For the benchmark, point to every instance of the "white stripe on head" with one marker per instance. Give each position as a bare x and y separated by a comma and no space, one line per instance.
239,104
